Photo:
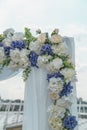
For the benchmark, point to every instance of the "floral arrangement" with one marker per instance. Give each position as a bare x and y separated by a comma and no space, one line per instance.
23,50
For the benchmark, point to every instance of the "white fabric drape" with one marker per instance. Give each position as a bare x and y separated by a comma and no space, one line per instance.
8,73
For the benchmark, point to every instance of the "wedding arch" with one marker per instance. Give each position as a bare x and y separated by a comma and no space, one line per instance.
48,65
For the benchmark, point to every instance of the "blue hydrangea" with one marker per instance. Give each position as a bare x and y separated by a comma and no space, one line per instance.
55,75
33,59
70,122
7,50
1,45
18,44
46,49
67,89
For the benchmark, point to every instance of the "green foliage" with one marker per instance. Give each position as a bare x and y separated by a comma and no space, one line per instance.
1,37
26,73
6,62
28,37
67,64
1,68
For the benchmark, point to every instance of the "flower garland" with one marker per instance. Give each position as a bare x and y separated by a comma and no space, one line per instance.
18,50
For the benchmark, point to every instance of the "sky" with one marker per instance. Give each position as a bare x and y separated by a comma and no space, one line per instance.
70,16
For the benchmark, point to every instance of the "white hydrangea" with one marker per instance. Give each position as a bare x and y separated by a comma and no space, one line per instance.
55,85
35,46
2,55
60,108
18,36
56,110
19,59
69,74
60,49
64,103
7,41
43,60
55,65
8,32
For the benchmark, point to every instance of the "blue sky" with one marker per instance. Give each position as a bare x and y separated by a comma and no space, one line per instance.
70,16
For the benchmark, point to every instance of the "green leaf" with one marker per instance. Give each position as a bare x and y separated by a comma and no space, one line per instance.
26,73
1,37
67,64
6,62
29,37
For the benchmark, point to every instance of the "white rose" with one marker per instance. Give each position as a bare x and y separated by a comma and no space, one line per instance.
8,32
42,38
55,123
35,46
43,60
55,85
56,39
55,65
18,36
54,95
60,49
2,55
55,31
69,74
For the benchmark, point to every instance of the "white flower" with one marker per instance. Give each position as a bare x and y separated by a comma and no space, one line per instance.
7,41
18,36
60,49
2,55
42,38
55,65
43,60
55,85
56,39
64,103
55,123
56,111
19,58
55,31
8,32
69,74
35,46
54,95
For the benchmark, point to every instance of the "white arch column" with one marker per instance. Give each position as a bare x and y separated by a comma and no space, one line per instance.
37,99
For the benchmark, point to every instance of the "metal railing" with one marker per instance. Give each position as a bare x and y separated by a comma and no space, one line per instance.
16,108
11,108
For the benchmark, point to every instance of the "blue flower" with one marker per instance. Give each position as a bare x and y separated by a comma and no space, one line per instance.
18,44
1,45
55,75
67,89
46,49
70,122
7,50
33,59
